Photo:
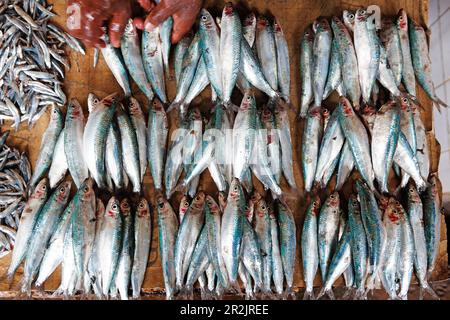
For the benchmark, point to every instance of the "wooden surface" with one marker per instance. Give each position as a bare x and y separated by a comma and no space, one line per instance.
293,16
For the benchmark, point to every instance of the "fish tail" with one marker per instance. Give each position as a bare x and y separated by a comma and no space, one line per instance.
439,103
231,106
309,295
289,292
360,294
428,289
187,292
205,294
348,293
174,105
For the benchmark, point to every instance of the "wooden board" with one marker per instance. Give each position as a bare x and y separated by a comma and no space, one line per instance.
294,16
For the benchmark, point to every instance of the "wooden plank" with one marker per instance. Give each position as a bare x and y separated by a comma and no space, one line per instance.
294,16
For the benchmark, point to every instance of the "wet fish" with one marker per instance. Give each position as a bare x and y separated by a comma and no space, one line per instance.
310,151
321,61
408,77
306,70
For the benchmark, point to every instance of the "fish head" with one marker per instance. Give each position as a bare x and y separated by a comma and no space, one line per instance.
261,208
87,190
262,22
321,25
361,15
277,27
392,213
157,105
184,205
74,110
383,202
235,190
413,195
256,196
348,17
354,203
228,10
113,208
143,209
402,20
212,205
41,190
222,200
247,101
109,100
199,201
405,104
315,206
308,34
130,29
63,191
206,20
56,114
433,187
93,102
266,115
333,200
272,213
368,110
347,109
99,208
125,208
325,114
315,112
135,108
250,20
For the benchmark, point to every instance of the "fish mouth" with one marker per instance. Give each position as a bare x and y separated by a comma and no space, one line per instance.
228,10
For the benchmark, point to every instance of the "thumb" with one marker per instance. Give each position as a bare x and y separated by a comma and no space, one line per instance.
158,15
117,27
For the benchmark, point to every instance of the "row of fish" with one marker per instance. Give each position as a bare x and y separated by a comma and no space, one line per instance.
15,173
219,55
218,243
372,242
352,58
101,250
32,61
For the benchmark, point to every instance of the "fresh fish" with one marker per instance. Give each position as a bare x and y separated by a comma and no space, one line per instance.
268,120
348,60
73,143
230,50
423,149
231,230
251,254
123,273
59,166
28,220
385,135
408,77
168,230
385,75
283,65
113,156
249,28
283,129
94,263
367,49
277,261
48,143
310,247
334,74
180,50
310,151
188,234
165,34
321,61
131,52
267,50
306,70
390,38
349,20
130,148
261,224
152,56
94,138
114,60
158,128
358,140
138,120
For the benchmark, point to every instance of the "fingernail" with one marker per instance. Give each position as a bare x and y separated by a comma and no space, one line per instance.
149,26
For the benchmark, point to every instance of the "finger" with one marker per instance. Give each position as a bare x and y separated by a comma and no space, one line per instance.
184,20
158,15
139,23
116,28
92,32
147,5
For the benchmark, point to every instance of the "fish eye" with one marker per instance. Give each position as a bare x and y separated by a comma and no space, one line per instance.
263,207
114,206
204,18
394,211
161,205
95,101
332,196
235,188
85,189
351,16
44,187
141,205
62,190
363,11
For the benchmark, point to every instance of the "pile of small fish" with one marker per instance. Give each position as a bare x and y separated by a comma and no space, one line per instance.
101,250
32,60
218,243
15,173
221,56
374,241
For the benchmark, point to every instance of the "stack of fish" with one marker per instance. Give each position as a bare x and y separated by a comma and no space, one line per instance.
374,241
101,249
32,60
215,244
333,60
15,173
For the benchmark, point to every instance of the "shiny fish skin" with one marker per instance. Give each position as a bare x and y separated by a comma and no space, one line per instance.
59,167
131,52
268,120
28,220
73,143
230,50
210,44
249,28
348,17
310,249
367,51
188,233
138,120
385,75
123,273
153,62
165,34
348,60
94,138
284,131
168,229
267,51
310,151
306,69
283,65
114,60
357,137
423,149
251,254
130,148
180,51
321,60
197,264
390,38
385,135
407,254
432,223
328,232
231,230
408,77
48,143
158,128
113,156
277,262
335,73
